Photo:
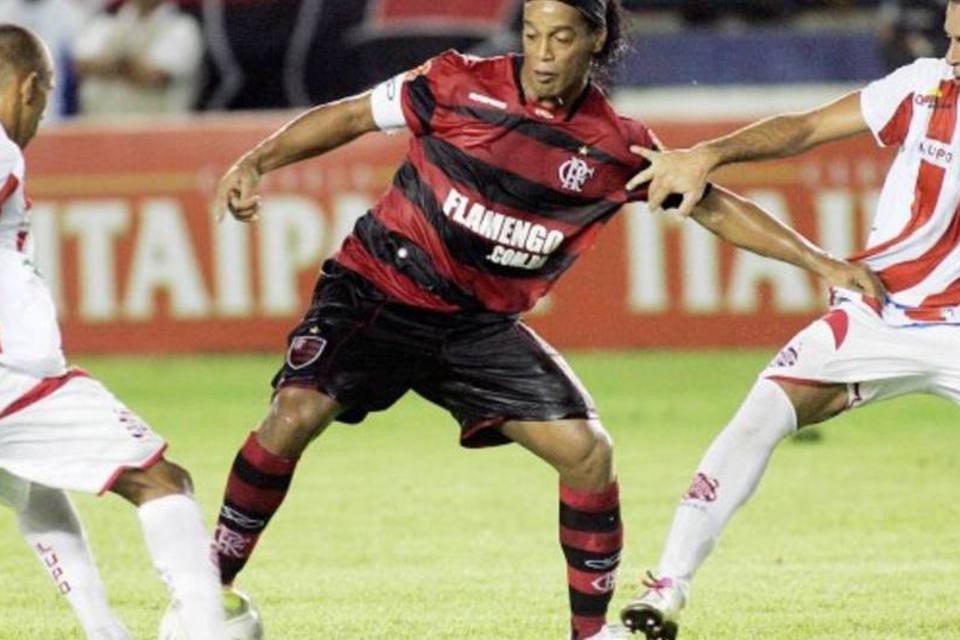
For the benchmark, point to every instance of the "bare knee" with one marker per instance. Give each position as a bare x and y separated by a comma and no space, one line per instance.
592,468
164,478
580,450
816,404
296,417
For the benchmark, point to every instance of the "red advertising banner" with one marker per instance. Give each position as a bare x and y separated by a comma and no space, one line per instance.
125,238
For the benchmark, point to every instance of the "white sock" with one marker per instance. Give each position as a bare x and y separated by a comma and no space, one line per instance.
727,476
51,527
181,550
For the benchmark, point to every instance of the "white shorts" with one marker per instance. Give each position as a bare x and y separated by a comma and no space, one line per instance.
852,345
68,432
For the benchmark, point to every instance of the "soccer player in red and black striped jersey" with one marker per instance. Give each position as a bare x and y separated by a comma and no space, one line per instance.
514,166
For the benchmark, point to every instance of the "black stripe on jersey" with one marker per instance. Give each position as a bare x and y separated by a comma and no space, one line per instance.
465,246
597,522
545,133
385,245
511,190
422,101
589,561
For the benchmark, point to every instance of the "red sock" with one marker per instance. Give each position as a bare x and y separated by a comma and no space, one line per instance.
257,485
592,537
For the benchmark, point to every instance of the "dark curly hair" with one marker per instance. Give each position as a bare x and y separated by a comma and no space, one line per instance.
616,45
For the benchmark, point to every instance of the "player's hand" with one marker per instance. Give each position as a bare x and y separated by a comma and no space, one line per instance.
854,276
237,193
683,172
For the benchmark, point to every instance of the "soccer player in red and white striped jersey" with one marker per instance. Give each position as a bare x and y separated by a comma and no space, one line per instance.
514,166
865,349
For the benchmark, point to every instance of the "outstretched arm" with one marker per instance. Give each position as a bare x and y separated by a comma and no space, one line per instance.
313,133
746,225
685,171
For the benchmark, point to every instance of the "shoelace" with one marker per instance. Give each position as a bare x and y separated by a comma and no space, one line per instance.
657,584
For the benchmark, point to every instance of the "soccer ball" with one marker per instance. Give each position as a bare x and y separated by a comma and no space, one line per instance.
243,619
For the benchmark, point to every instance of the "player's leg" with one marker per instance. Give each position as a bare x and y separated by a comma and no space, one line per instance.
49,523
69,432
591,532
726,477
262,471
505,384
328,356
795,390
178,542
734,463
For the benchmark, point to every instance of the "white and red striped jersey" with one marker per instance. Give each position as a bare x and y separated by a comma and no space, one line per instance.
14,205
29,335
914,243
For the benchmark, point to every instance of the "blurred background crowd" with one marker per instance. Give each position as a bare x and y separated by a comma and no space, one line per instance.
173,56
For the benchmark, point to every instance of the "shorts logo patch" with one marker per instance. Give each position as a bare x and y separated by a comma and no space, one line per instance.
136,427
304,351
788,357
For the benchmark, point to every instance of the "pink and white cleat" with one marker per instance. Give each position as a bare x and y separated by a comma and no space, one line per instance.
654,612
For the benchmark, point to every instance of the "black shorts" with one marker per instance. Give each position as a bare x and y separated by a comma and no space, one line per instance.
366,351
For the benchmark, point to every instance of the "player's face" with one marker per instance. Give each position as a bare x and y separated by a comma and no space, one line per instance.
952,28
558,46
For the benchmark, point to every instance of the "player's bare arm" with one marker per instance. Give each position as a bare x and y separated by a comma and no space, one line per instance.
686,171
744,224
311,134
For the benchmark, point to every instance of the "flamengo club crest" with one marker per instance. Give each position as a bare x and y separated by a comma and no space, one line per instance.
304,351
574,173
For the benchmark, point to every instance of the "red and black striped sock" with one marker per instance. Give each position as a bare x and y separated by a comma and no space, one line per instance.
592,537
258,483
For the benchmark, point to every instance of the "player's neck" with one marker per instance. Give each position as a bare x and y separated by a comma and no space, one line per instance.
7,120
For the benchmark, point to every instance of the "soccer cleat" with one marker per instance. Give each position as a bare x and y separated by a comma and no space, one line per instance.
611,632
654,612
243,617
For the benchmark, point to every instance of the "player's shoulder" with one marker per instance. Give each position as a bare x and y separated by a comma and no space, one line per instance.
923,71
628,130
453,61
931,66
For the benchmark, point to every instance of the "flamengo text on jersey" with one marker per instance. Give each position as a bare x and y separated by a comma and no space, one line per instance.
520,244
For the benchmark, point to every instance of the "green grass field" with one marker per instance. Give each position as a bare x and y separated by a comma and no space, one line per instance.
393,531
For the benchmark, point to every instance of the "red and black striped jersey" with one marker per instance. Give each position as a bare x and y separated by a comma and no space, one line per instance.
497,195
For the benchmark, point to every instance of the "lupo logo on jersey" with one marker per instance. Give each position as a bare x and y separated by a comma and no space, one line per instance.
574,173
936,152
